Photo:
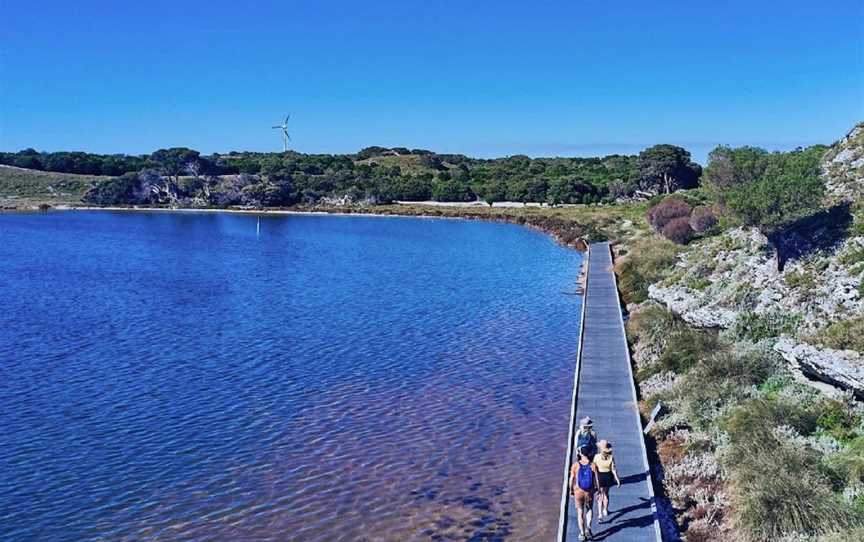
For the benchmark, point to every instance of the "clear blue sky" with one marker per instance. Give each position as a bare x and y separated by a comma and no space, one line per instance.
483,78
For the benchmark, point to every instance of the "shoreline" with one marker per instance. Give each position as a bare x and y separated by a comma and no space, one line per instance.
563,231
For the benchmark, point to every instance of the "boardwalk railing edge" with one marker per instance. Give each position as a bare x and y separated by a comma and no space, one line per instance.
638,418
565,490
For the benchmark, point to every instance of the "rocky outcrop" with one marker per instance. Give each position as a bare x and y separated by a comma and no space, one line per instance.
843,168
841,368
731,282
723,277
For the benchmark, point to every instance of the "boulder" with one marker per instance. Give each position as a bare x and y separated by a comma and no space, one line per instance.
843,369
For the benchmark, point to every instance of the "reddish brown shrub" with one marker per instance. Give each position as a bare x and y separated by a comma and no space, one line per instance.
671,450
667,210
678,230
701,533
702,219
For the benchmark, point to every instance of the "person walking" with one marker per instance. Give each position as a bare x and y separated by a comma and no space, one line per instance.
604,464
583,485
586,438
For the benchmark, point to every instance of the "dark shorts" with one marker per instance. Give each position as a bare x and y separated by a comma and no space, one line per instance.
605,479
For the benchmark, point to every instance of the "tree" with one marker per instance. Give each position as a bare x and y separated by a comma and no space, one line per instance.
174,161
117,191
729,168
665,169
789,188
494,191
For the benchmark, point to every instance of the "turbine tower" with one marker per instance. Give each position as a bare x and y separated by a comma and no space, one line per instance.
284,128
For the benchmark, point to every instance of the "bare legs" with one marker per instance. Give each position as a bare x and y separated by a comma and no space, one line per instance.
584,516
603,502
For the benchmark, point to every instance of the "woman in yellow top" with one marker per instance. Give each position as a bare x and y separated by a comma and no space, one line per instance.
606,472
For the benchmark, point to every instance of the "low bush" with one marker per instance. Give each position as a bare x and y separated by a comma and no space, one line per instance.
838,419
678,230
800,280
652,325
852,257
756,327
849,462
844,335
686,348
755,419
667,210
721,380
744,367
702,219
779,490
648,262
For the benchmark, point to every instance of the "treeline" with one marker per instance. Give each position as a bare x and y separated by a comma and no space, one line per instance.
373,175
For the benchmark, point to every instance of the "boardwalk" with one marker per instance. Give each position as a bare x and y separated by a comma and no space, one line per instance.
605,392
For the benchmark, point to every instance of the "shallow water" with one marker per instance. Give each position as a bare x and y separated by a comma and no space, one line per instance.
173,376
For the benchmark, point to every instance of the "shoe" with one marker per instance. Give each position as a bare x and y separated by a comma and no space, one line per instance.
582,536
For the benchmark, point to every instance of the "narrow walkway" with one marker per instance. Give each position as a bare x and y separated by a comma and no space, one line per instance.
605,391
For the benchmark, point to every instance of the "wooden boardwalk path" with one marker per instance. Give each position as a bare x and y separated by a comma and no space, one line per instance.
604,390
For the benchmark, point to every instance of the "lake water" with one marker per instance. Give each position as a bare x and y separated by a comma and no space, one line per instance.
174,376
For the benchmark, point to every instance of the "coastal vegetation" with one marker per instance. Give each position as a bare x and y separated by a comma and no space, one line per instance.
753,444
375,175
744,285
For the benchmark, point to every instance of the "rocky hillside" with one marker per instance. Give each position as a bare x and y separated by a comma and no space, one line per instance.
752,345
844,166
812,309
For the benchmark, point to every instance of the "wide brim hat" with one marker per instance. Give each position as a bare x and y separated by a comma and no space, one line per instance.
604,446
586,422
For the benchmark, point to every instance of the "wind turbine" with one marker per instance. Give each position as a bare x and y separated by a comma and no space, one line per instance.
284,128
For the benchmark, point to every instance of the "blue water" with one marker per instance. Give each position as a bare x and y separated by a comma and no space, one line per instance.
173,376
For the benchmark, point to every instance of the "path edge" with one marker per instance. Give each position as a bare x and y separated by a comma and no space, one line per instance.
638,418
565,493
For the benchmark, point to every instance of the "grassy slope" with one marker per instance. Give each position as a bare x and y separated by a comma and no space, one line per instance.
22,188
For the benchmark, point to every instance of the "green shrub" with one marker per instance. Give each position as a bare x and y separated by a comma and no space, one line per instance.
756,327
849,462
697,283
844,335
838,419
744,367
652,325
800,279
647,263
686,348
767,190
852,257
756,418
722,379
779,490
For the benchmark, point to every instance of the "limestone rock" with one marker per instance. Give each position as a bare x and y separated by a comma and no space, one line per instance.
841,368
843,167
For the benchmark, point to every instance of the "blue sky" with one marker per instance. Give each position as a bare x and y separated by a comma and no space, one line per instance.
483,78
